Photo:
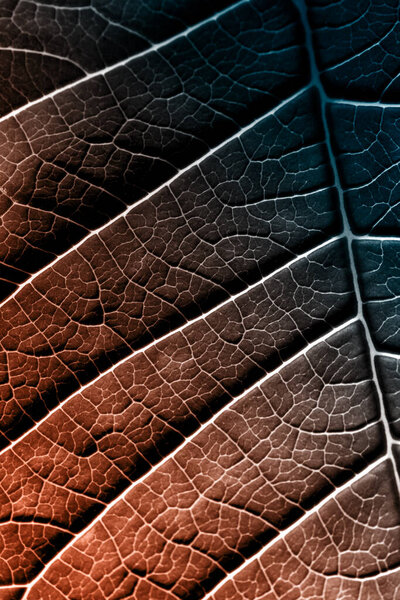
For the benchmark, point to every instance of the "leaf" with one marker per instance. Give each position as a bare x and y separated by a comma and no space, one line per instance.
45,45
80,156
199,352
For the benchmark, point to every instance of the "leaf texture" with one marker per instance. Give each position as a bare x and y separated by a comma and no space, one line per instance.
199,315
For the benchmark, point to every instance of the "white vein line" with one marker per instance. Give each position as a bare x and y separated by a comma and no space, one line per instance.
13,586
316,80
361,186
201,317
123,62
388,355
190,438
166,184
376,238
380,300
365,103
296,524
43,54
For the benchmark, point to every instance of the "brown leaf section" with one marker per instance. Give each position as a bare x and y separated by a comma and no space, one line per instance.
85,453
348,549
254,470
55,338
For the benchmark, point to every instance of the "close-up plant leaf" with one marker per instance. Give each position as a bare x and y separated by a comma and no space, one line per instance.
199,300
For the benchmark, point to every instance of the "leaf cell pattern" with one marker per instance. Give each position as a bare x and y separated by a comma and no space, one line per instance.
199,300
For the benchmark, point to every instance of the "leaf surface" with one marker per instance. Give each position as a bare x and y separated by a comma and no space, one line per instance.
199,353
